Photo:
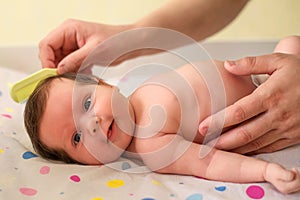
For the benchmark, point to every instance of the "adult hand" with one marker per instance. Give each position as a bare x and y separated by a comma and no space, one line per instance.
268,119
67,46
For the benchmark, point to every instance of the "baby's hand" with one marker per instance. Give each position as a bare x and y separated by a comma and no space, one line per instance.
286,181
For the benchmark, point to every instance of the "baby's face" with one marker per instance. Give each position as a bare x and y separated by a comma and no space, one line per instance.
85,123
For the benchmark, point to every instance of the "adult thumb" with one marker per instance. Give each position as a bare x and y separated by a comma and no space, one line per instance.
265,64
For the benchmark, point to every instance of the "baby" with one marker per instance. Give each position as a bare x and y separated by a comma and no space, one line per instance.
88,121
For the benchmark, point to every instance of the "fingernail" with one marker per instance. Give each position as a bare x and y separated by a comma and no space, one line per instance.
203,130
231,63
61,68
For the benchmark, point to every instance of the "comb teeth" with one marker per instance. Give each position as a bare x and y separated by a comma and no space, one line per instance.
21,90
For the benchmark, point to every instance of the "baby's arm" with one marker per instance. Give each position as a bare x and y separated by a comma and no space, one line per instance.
167,154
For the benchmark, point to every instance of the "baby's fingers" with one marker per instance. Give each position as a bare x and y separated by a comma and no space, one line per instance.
292,185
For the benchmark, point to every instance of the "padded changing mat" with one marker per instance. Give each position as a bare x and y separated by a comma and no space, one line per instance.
24,175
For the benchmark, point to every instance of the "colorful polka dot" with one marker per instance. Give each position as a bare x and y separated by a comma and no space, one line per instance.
10,110
28,155
124,79
255,192
44,170
75,178
125,165
154,182
6,116
220,188
195,197
9,84
28,191
1,151
97,198
115,183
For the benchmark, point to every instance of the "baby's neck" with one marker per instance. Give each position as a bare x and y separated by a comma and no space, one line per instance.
130,151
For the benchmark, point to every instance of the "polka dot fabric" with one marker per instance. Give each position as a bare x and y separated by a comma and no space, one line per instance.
11,113
24,175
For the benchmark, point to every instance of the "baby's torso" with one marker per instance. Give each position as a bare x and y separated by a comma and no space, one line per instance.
170,104
175,103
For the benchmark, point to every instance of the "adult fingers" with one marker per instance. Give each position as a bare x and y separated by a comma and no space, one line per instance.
280,139
259,143
244,133
58,43
72,62
244,109
276,146
273,140
265,64
47,56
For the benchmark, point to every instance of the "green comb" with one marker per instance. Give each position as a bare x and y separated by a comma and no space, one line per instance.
22,89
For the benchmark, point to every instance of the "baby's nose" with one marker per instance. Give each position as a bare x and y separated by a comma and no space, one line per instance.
93,127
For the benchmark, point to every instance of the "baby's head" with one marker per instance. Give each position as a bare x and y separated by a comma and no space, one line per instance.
57,121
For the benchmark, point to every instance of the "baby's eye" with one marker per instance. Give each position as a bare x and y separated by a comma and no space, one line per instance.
76,138
87,104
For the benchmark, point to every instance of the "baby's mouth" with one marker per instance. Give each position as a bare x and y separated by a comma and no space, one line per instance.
109,132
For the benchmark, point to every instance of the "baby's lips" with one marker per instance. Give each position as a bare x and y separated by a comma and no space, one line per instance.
109,133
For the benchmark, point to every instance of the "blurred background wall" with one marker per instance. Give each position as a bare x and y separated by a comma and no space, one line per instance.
25,22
